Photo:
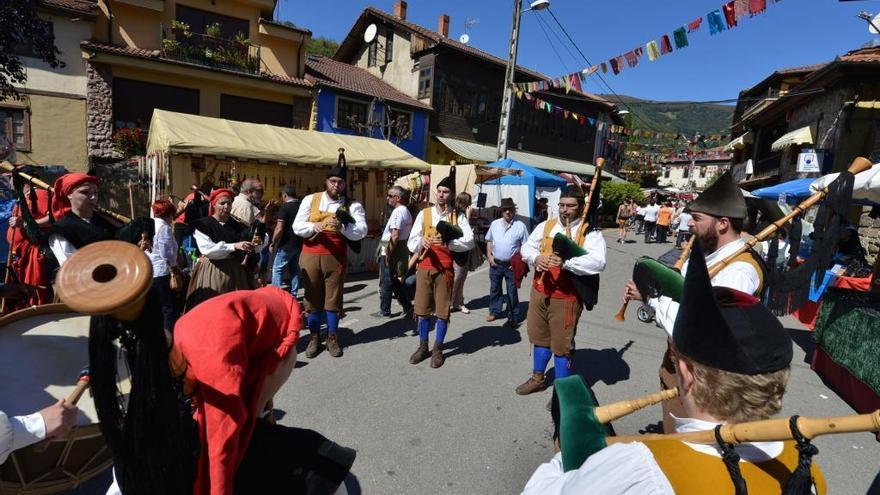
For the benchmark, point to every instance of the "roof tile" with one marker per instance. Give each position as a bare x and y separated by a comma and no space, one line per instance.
82,6
327,72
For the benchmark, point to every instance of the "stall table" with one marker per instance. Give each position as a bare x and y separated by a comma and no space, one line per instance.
847,336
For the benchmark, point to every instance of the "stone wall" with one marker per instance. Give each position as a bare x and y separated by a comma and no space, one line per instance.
820,111
869,234
99,108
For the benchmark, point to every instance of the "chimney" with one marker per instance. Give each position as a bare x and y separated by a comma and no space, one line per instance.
443,25
400,10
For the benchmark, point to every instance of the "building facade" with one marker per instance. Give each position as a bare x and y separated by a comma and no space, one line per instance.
351,100
220,59
464,86
47,126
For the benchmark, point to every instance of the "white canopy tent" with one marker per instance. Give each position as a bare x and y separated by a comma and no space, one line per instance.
866,186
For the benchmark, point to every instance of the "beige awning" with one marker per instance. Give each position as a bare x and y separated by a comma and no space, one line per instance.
740,142
194,134
485,153
804,135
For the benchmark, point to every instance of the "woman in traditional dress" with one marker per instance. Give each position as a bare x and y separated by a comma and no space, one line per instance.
163,256
28,260
223,242
76,224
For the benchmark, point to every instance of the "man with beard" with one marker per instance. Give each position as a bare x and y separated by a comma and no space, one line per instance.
717,218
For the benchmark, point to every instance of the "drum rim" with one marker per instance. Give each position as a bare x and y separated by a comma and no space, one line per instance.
43,309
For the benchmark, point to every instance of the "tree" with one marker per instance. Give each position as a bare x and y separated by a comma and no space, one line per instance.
613,194
22,28
325,47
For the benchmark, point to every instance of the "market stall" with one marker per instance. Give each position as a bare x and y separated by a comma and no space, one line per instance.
185,150
524,189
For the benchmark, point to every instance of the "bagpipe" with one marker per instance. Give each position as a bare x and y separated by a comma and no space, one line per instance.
787,291
448,231
343,213
583,429
586,287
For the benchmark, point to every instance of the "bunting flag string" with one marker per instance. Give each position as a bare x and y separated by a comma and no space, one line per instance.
728,16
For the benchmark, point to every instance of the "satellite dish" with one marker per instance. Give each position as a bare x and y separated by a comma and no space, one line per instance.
464,38
370,33
875,22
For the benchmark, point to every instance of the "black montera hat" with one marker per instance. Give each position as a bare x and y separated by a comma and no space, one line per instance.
340,169
507,203
721,199
449,181
572,191
727,329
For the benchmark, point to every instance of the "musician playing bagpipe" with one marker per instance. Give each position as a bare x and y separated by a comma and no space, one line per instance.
732,358
437,231
328,222
28,225
223,243
74,205
568,255
717,222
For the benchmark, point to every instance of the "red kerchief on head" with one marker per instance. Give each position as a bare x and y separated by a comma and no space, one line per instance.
216,194
63,186
232,343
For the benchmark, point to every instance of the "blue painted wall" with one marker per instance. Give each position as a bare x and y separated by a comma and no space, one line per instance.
415,145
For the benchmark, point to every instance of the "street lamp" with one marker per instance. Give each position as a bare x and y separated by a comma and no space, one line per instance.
507,100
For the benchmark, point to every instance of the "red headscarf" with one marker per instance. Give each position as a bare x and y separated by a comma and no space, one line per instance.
232,343
216,194
64,185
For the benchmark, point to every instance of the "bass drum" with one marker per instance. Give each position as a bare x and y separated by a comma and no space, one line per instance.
43,349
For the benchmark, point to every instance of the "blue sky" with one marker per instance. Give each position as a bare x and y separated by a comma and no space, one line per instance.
789,33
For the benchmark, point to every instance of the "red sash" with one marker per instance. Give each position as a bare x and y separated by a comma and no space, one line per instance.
555,282
438,258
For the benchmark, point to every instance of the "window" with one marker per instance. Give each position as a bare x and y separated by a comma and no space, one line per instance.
350,113
255,111
425,82
198,20
665,172
371,54
389,45
686,171
702,172
134,101
401,123
15,126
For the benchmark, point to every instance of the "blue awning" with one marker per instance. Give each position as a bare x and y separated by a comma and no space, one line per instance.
795,190
531,175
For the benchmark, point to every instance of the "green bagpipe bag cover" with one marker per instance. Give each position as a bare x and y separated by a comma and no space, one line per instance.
585,286
654,279
580,432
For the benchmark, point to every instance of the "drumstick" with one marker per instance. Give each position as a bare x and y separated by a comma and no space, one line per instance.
81,385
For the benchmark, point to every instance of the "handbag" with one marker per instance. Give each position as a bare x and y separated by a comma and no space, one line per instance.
175,279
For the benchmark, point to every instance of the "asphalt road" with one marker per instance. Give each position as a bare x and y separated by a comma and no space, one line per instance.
462,429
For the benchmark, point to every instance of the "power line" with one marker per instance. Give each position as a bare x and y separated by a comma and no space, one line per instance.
561,27
552,46
560,40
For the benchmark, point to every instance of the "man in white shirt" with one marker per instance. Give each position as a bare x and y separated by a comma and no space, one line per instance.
20,431
741,378
324,255
683,232
435,272
651,213
717,220
393,254
245,207
554,305
503,241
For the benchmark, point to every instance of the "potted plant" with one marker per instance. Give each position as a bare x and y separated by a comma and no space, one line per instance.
214,30
242,41
180,29
130,141
170,46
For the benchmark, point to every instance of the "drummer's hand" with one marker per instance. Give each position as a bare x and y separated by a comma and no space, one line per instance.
247,247
59,418
631,292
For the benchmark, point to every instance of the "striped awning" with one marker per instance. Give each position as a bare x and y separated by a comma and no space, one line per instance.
804,135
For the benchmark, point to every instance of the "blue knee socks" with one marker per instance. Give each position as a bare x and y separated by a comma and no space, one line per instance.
442,325
313,320
560,365
540,358
332,321
425,324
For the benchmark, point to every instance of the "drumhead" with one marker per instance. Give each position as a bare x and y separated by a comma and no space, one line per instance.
42,352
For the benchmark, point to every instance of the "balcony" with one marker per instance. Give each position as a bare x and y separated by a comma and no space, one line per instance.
237,55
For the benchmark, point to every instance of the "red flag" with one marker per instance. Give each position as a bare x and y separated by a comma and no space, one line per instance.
576,83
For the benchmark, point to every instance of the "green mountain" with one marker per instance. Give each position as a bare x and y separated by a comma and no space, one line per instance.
686,118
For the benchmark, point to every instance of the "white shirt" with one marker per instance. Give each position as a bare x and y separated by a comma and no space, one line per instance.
506,238
651,212
591,263
640,211
353,232
630,468
400,219
740,275
460,245
683,220
19,431
164,252
219,250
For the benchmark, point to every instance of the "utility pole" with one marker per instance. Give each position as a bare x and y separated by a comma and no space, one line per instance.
507,100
